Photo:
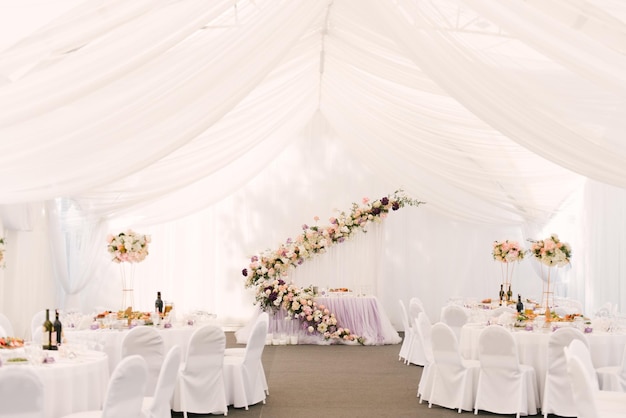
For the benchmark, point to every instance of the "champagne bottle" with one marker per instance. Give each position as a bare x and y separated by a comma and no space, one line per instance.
509,294
158,304
47,332
520,305
58,329
501,294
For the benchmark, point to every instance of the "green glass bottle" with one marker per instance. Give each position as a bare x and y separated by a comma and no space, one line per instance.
47,332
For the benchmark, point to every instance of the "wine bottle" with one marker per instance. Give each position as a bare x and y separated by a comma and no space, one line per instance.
509,294
501,294
47,332
58,329
520,305
158,304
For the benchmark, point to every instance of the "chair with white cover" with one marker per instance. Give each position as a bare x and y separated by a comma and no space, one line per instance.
504,385
580,350
3,332
557,392
148,343
424,329
455,317
240,351
613,377
407,341
589,402
454,378
21,393
159,404
242,374
125,390
36,325
416,353
200,385
5,323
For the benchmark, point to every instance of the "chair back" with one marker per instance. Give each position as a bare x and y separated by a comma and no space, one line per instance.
584,399
126,387
405,317
445,346
424,328
21,393
148,343
580,350
36,325
454,316
160,405
255,346
415,307
3,332
559,339
497,349
5,323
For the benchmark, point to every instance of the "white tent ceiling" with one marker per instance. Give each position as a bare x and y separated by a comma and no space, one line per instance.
495,113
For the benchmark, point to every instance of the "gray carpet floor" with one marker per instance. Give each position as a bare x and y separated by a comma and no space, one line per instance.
339,381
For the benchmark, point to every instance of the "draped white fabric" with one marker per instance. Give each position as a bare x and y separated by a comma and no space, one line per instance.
221,127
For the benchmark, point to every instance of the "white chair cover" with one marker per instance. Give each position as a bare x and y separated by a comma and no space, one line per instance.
240,351
200,386
502,310
423,326
242,375
557,392
416,353
613,377
407,341
581,351
3,332
36,325
21,393
455,317
5,323
159,404
454,378
148,343
504,385
586,400
124,395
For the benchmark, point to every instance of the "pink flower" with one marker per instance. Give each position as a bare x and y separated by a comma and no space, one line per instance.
366,200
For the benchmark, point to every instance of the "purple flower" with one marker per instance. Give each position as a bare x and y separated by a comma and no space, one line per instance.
244,272
341,239
300,260
281,282
375,211
384,201
254,258
305,227
395,206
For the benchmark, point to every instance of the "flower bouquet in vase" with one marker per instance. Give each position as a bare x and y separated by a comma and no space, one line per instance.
508,253
126,249
551,253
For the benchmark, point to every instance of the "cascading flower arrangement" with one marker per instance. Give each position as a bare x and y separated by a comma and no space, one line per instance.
2,249
128,246
268,271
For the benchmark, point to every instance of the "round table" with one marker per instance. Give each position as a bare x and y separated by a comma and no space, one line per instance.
606,347
109,340
70,384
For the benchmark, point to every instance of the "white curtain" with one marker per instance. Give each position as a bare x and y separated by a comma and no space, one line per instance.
221,127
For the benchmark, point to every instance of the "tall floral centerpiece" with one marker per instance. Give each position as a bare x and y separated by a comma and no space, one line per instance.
551,253
126,249
268,271
508,253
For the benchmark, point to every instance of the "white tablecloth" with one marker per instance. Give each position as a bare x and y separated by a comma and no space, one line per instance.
110,340
606,347
72,385
362,315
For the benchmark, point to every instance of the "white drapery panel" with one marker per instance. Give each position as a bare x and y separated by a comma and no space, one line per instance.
236,121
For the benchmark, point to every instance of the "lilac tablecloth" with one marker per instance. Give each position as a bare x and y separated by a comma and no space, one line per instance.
362,315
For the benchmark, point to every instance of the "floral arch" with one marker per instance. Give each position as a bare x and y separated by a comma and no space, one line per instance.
268,270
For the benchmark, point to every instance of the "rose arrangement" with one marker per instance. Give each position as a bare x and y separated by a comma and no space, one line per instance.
128,246
507,251
269,270
551,251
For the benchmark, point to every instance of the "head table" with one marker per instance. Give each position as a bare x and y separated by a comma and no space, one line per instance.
72,383
362,315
